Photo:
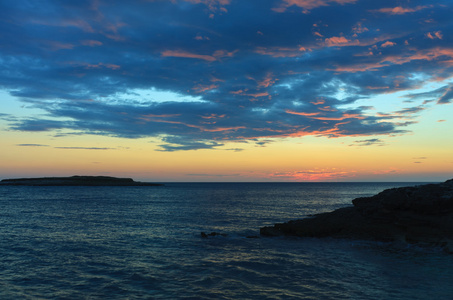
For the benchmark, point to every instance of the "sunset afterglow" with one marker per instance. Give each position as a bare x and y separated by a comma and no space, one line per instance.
224,90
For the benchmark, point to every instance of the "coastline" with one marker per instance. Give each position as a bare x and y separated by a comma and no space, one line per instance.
76,180
416,215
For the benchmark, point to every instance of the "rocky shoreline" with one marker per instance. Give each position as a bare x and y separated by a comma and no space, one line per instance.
76,181
417,215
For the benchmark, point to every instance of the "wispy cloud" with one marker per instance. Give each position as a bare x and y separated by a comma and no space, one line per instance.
313,175
309,4
66,147
368,142
32,145
399,10
178,144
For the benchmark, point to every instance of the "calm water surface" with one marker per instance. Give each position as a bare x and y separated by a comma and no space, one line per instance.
145,243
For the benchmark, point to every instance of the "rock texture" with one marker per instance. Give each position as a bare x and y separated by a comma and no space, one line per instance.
421,214
76,181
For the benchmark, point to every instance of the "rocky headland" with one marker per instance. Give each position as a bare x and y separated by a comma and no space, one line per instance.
417,215
76,181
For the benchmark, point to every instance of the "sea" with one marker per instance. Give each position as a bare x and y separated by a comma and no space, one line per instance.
146,243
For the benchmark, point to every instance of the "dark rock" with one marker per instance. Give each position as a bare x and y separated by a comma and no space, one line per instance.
421,214
204,235
76,181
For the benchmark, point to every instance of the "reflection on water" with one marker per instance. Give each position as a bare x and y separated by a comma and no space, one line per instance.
135,243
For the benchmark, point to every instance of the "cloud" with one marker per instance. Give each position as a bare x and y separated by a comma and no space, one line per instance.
418,159
446,97
179,144
368,142
399,10
443,95
32,145
435,35
66,148
336,40
309,4
388,44
91,43
260,72
313,175
234,149
179,53
213,5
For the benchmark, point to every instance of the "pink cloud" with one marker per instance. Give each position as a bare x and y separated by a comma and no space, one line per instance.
256,95
377,87
318,102
203,88
281,52
399,10
214,116
213,5
313,175
388,44
268,81
55,46
238,92
304,114
435,35
96,66
218,129
431,54
359,67
309,4
358,28
336,40
316,116
181,53
91,43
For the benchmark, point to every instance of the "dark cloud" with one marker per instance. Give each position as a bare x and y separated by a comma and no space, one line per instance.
243,70
235,149
32,145
444,95
174,143
66,148
368,142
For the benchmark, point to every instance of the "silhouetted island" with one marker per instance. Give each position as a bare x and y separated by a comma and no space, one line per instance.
76,181
421,214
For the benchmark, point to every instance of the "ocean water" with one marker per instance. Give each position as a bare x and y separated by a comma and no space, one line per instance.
145,243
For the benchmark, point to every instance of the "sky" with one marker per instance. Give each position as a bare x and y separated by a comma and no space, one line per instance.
227,90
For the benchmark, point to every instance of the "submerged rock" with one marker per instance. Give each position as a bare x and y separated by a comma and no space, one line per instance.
421,214
76,181
206,235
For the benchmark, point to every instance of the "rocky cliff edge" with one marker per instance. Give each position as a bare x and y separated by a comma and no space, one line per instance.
421,214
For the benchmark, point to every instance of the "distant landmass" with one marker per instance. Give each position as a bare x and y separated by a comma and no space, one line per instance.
76,181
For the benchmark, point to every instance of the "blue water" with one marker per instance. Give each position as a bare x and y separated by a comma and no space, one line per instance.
145,243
